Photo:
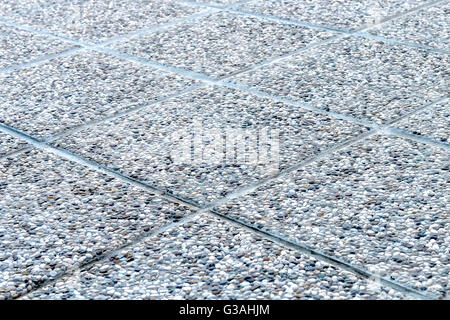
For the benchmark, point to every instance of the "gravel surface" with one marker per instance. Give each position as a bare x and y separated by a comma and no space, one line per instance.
56,215
349,14
288,166
145,145
70,91
362,78
433,122
18,46
209,259
428,27
10,144
381,204
221,43
98,20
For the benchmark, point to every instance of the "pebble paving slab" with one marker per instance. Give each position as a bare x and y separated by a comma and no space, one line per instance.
57,215
433,122
46,99
227,149
145,145
427,27
18,46
352,14
9,144
221,43
98,20
381,203
210,259
362,78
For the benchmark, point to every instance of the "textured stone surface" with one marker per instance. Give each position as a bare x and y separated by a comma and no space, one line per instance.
97,20
209,259
18,46
381,204
56,215
69,91
221,43
432,122
353,14
428,27
148,145
362,78
371,200
10,144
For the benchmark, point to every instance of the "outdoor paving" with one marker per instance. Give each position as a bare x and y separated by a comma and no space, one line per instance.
117,179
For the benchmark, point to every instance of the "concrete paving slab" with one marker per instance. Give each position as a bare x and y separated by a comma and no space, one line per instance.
209,259
56,215
18,47
380,204
9,144
221,43
432,122
99,20
156,144
363,78
353,14
70,91
427,27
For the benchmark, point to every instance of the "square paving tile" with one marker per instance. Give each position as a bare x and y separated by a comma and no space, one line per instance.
362,78
210,259
216,2
352,14
56,215
18,46
8,7
73,90
381,204
433,122
10,144
98,20
151,145
428,27
221,43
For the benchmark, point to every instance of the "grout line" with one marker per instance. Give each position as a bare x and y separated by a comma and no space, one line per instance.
16,152
418,138
93,165
41,59
324,257
376,130
157,28
401,42
136,240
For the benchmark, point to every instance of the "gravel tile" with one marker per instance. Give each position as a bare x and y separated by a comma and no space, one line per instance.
433,122
429,27
73,90
56,215
349,14
216,2
98,20
18,46
10,144
362,78
221,43
8,7
145,145
380,204
210,259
